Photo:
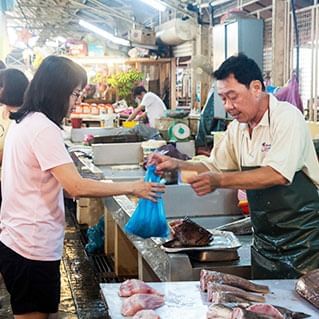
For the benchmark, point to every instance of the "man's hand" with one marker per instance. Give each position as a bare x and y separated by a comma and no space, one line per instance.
205,183
163,163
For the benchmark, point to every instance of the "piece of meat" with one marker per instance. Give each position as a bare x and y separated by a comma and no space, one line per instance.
146,314
190,234
214,293
265,309
219,311
135,286
289,314
231,297
137,302
240,313
308,287
231,280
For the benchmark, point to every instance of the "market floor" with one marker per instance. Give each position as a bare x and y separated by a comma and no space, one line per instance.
80,294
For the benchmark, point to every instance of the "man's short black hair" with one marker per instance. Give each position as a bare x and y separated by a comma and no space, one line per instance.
243,68
139,90
13,84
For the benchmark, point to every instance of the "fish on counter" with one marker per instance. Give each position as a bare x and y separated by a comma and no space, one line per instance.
220,293
207,276
190,234
231,297
256,311
219,311
146,314
307,287
276,311
137,302
241,313
239,227
135,286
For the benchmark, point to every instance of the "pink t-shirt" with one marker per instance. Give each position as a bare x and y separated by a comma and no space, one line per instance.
32,213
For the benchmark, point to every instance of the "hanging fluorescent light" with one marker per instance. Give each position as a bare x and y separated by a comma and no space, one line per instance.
103,33
156,4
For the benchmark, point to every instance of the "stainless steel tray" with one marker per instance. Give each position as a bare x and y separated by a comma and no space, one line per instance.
214,255
223,240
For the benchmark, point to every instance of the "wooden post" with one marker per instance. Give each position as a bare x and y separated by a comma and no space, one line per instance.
278,42
109,233
125,255
173,83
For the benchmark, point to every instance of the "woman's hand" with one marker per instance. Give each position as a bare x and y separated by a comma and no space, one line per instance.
205,183
150,191
163,163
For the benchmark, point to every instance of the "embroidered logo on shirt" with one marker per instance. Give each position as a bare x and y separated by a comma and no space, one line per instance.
265,147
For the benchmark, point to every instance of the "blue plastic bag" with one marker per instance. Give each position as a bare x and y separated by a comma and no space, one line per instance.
95,236
148,219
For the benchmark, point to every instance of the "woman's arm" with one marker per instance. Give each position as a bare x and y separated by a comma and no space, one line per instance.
76,186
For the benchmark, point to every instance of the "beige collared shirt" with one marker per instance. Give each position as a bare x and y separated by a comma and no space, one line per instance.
281,140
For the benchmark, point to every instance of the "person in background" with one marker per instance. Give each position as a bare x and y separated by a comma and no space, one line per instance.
13,84
2,65
149,103
267,150
36,169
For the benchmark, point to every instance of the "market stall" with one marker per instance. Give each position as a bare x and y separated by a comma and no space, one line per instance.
185,300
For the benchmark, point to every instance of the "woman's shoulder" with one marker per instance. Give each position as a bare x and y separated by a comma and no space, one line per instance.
38,121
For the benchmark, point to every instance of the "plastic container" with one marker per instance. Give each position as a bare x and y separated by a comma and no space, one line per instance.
95,110
243,205
76,122
129,124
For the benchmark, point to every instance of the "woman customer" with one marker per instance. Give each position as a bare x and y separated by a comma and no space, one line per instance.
36,167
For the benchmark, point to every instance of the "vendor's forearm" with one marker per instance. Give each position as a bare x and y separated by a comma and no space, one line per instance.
253,179
191,166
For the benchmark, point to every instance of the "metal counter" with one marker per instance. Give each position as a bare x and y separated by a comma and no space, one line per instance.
209,211
177,266
183,300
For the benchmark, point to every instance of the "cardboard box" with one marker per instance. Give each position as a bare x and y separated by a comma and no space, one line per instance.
147,37
91,213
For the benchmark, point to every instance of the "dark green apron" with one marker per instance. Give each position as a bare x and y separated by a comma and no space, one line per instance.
285,220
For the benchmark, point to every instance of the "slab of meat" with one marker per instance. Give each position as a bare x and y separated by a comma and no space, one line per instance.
231,280
217,293
265,309
308,287
134,286
219,311
190,234
146,314
233,297
137,302
276,311
240,313
289,314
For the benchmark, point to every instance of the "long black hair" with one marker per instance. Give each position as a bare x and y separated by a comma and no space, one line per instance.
50,89
13,84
